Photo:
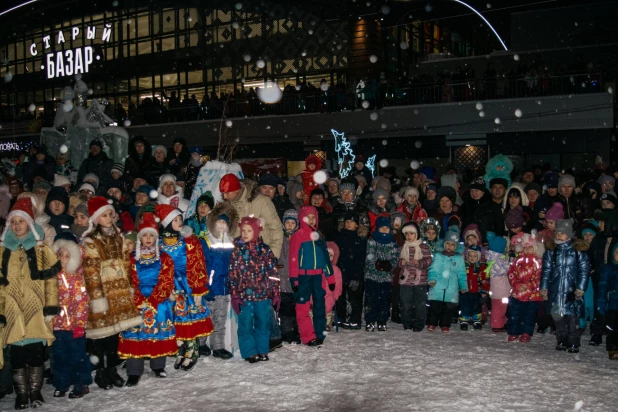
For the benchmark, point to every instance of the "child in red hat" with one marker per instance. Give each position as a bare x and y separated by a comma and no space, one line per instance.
254,287
191,314
152,277
106,263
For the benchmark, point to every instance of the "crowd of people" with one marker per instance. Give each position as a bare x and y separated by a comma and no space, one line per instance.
104,262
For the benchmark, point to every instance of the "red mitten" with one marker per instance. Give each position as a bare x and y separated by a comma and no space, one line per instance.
78,333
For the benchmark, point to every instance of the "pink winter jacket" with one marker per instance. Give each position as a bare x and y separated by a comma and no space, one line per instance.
499,280
332,296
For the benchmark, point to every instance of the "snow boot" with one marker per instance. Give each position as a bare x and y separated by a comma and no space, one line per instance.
178,362
463,325
477,326
253,359
263,358
274,344
561,346
355,326
114,378
525,338
35,384
20,381
573,349
314,342
188,364
446,330
595,340
74,394
59,394
205,350
431,328
221,354
370,327
132,380
512,338
381,327
102,381
160,373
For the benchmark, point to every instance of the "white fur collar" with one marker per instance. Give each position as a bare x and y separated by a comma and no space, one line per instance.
74,251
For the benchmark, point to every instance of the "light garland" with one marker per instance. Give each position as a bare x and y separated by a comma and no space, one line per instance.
345,155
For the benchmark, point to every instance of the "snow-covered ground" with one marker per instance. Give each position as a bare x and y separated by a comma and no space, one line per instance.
392,371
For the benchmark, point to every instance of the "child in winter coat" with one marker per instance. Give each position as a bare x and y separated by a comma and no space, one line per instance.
332,295
71,366
308,261
152,278
470,303
80,221
414,261
525,278
56,207
447,277
430,230
312,165
382,257
352,249
564,279
554,214
218,253
287,311
197,222
253,290
498,262
607,303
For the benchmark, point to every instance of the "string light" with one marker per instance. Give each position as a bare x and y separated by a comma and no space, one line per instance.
345,155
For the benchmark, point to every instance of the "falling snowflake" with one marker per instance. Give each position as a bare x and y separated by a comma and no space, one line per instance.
320,177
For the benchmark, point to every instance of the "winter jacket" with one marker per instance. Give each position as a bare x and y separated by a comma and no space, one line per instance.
608,288
352,249
476,278
67,170
49,165
499,286
443,218
198,225
28,290
409,270
308,252
177,200
72,295
252,203
449,275
377,253
282,203
252,264
526,271
485,213
63,221
565,269
136,163
328,223
283,267
333,295
219,250
572,207
100,165
416,213
374,212
106,276
157,169
341,208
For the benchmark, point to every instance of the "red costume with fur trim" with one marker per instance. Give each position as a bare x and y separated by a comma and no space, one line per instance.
307,175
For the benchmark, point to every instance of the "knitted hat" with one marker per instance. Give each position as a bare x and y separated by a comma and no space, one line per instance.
207,198
411,190
96,142
496,243
290,214
476,249
550,180
255,223
229,183
23,209
412,227
131,235
565,226
452,235
381,182
149,224
472,230
514,218
42,185
118,167
589,227
347,186
448,192
59,194
88,187
478,184
610,196
91,178
162,148
608,179
533,186
116,184
352,216
224,217
431,186
379,192
383,221
167,177
359,158
145,189
361,179
430,224
268,179
166,213
83,209
60,180
499,181
566,180
556,212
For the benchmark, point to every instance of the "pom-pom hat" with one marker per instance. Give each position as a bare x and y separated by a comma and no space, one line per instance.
23,209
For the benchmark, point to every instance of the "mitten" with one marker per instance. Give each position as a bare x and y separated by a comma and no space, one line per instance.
331,287
354,285
277,303
236,304
78,333
579,293
543,293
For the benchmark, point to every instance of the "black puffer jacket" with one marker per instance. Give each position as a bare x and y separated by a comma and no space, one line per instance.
340,208
352,253
135,162
483,212
100,165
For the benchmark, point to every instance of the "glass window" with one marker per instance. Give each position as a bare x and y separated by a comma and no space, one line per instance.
145,83
170,80
195,77
143,25
144,47
168,44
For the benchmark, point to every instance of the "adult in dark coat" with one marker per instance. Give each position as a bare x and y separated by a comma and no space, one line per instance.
446,208
179,157
268,187
571,203
349,202
361,169
41,161
140,158
98,163
478,208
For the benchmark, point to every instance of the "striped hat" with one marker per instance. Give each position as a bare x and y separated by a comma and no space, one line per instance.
118,167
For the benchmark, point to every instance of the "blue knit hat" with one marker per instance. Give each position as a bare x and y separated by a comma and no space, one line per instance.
452,235
383,221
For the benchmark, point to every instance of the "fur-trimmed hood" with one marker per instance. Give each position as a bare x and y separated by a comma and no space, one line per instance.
522,194
333,246
578,244
219,209
75,262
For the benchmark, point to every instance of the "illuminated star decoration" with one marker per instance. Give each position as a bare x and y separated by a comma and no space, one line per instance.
371,165
345,156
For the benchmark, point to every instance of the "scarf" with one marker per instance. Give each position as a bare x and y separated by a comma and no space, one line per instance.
383,238
405,250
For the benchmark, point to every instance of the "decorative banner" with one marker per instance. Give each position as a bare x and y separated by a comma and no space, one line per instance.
70,62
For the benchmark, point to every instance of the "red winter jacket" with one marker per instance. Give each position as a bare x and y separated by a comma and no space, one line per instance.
418,214
525,273
477,278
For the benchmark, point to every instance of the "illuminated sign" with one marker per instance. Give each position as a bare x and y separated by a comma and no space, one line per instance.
345,155
69,62
371,165
13,146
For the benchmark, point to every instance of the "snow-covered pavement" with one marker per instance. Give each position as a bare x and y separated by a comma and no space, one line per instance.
392,371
